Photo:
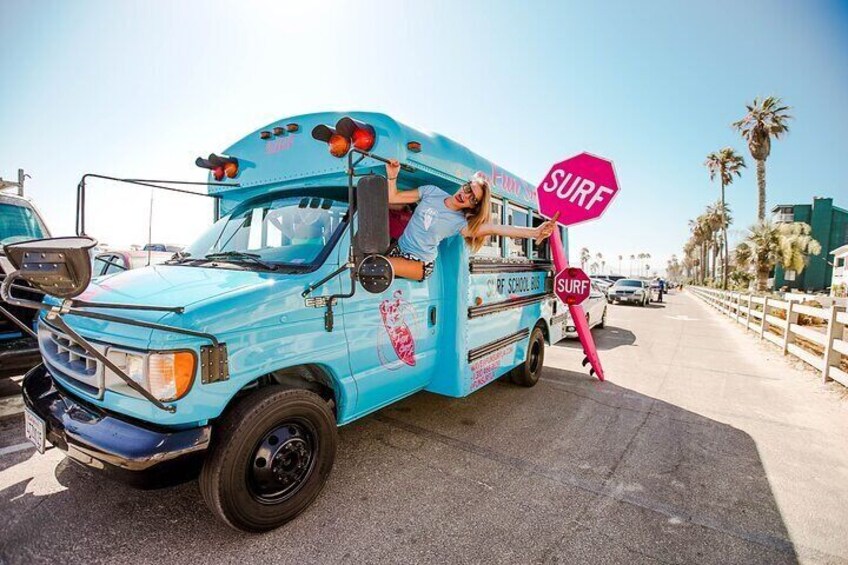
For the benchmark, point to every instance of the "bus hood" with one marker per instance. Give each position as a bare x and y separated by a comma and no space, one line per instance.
171,285
215,300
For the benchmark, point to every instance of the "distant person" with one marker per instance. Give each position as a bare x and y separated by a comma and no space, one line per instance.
661,285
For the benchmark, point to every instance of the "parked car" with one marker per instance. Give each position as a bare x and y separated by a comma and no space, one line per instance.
602,284
170,248
115,261
632,291
596,311
19,221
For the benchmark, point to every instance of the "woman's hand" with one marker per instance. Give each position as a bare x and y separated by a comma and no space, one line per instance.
392,169
544,231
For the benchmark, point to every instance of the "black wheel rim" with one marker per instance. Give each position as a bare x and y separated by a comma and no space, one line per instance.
281,462
535,357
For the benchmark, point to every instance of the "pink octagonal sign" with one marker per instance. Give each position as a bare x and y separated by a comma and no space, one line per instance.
572,286
579,188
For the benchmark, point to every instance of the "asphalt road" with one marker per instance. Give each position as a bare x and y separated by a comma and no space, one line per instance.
703,446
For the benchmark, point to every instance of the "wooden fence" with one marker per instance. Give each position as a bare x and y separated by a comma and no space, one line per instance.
821,343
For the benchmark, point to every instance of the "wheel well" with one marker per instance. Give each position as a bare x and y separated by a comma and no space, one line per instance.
307,377
543,325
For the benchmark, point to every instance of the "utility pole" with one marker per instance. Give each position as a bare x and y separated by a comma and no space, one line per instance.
11,184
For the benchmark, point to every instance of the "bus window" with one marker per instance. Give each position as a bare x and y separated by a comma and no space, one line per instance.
540,251
516,246
492,245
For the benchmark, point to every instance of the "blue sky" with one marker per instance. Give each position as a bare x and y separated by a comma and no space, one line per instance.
139,89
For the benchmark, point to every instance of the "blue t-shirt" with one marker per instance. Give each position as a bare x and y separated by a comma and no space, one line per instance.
430,224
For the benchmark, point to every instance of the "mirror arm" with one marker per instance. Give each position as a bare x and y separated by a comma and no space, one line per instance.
323,281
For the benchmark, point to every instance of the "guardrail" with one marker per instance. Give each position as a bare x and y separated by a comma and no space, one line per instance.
820,345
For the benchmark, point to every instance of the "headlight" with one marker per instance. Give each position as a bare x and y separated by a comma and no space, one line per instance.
167,376
170,374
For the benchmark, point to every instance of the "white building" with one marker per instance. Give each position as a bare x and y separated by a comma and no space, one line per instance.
839,282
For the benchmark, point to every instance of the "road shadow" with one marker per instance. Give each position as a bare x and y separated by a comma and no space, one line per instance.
572,467
607,338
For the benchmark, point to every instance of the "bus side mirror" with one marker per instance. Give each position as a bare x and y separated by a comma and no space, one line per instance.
60,266
375,274
372,210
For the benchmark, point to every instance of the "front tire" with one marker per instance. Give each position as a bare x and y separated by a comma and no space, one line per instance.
273,454
528,373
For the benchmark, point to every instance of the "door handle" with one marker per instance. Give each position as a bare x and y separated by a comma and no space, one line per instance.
431,316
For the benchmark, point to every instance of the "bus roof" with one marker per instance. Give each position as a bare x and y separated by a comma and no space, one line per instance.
296,159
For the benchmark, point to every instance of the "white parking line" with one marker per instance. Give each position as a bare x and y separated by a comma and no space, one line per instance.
15,448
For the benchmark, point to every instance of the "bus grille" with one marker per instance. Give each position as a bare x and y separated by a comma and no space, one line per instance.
67,360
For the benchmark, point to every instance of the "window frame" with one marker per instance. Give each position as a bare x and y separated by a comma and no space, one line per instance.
509,209
497,250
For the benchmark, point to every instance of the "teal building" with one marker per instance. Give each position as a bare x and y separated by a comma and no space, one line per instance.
829,225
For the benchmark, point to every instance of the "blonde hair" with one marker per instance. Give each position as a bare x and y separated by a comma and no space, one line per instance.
477,217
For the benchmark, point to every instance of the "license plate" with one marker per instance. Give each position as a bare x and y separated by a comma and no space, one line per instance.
35,429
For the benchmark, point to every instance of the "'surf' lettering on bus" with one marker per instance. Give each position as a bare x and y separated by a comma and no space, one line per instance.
511,185
279,144
577,190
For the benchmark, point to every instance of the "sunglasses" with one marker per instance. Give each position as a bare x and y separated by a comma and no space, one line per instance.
469,192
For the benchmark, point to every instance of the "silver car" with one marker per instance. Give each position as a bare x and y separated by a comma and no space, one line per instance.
632,291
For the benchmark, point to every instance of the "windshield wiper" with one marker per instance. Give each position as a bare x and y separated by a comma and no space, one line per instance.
241,256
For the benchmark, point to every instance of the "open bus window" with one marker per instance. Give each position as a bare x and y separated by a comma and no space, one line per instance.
540,251
517,246
492,246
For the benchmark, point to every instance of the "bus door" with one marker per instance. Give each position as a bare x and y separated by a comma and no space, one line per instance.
392,338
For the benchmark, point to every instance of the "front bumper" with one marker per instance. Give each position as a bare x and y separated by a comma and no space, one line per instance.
626,298
17,356
140,454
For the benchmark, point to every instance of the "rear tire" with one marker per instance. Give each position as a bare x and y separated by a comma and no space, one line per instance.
602,324
273,453
528,373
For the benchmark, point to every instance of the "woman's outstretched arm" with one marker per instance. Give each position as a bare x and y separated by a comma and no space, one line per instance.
399,196
538,233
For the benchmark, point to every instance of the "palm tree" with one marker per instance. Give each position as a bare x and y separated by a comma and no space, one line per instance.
648,259
796,245
717,218
766,118
620,257
600,259
585,256
788,244
724,164
632,257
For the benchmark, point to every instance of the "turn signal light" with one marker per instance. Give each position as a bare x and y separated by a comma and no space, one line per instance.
170,374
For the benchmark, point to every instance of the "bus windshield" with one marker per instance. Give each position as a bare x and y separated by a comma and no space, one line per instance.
288,229
18,223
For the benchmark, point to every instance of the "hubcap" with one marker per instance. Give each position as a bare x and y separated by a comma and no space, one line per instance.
282,462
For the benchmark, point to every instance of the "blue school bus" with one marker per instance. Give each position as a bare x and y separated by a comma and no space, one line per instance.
238,359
